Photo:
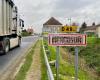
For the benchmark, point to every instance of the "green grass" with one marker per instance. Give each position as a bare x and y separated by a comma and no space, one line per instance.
43,67
24,34
93,40
90,54
25,67
67,70
52,53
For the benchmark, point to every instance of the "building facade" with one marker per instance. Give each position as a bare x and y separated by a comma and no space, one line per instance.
51,26
93,29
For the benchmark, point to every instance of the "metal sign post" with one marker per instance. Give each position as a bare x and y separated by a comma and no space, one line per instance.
76,63
57,63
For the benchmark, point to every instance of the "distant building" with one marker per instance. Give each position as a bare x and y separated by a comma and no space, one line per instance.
51,26
98,30
30,30
94,29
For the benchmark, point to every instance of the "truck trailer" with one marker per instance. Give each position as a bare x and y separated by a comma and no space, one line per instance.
10,26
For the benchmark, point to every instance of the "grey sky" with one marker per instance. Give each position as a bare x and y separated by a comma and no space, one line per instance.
36,12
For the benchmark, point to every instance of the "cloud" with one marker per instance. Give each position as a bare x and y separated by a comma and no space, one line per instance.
36,12
81,10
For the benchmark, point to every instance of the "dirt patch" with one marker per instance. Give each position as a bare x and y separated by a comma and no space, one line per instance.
34,72
66,56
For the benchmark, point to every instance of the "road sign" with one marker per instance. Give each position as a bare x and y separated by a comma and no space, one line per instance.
68,29
67,39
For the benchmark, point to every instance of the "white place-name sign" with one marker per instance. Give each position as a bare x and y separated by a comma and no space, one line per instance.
67,39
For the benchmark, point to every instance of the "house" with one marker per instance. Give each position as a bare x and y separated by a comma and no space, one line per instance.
90,29
98,30
51,26
30,30
93,29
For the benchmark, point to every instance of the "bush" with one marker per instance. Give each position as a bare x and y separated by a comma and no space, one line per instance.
25,34
90,53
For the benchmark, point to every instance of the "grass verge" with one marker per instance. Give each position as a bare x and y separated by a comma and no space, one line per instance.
25,67
66,70
43,69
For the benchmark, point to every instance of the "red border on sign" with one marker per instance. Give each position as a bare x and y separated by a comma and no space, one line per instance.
59,34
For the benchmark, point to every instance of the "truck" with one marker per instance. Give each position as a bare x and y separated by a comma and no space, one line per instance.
10,26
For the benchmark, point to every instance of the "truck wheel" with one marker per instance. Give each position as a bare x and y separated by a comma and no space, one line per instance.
19,42
6,46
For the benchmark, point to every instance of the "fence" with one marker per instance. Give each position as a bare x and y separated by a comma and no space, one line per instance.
49,71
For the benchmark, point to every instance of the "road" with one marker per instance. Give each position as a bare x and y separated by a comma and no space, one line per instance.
14,54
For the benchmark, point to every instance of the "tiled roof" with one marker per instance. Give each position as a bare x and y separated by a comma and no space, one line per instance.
52,21
91,28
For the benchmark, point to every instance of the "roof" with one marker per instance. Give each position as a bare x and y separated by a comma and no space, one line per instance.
92,27
52,21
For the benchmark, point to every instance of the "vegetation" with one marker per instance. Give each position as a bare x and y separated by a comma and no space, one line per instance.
43,69
90,54
91,34
26,33
28,61
45,33
25,67
83,26
66,70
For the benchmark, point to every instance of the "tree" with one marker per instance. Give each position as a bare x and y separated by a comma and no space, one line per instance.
24,30
83,27
93,24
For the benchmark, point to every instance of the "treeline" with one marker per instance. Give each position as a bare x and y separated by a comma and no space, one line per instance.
27,32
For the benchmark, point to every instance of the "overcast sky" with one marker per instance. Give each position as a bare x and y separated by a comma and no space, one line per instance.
37,12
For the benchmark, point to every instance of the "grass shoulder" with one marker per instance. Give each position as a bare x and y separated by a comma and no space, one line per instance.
25,67
44,75
66,70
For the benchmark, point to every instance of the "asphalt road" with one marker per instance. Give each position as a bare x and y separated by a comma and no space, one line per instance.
6,60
